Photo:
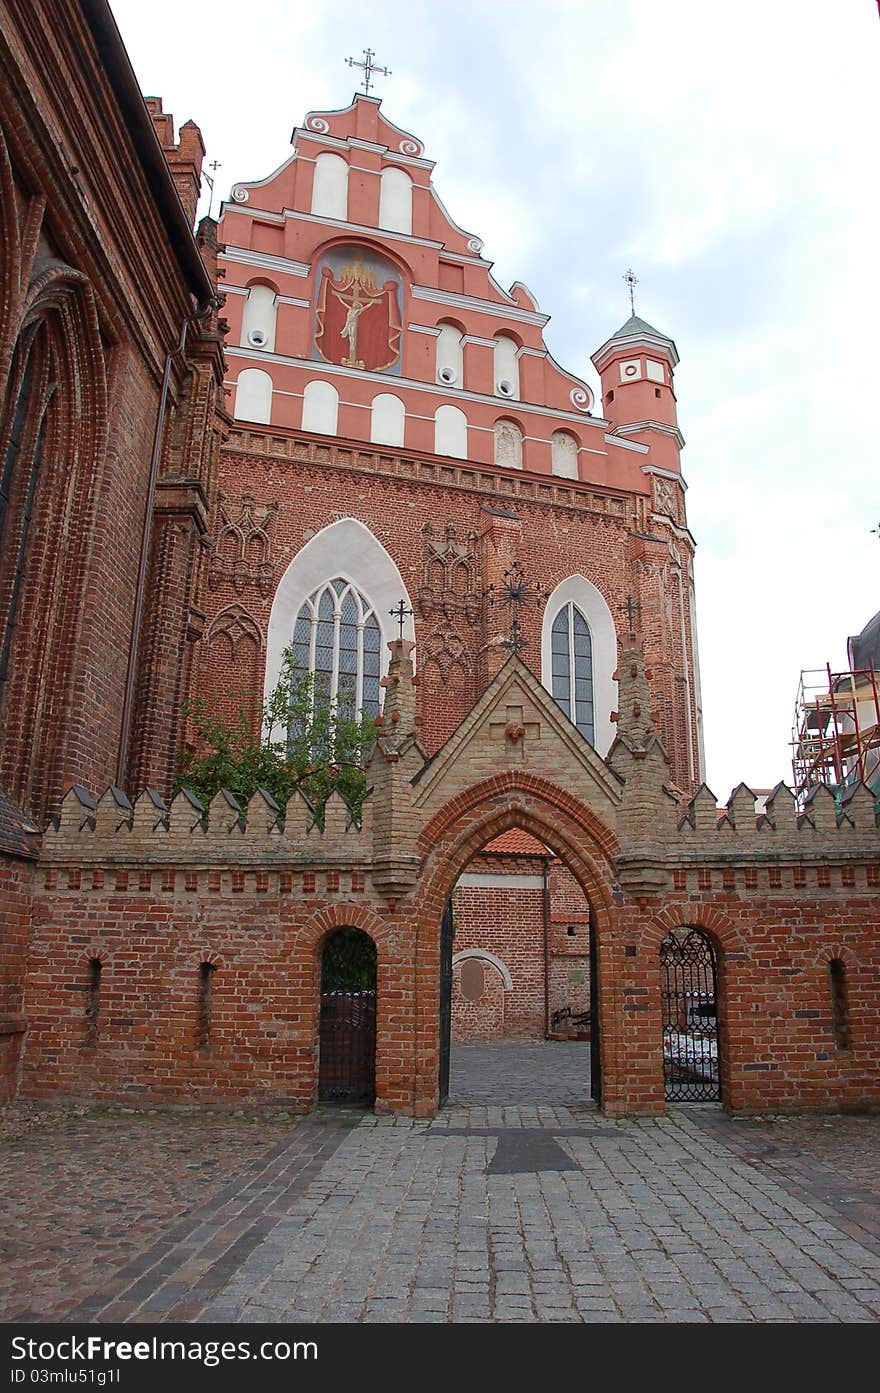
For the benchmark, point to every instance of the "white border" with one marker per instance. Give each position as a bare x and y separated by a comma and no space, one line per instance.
486,957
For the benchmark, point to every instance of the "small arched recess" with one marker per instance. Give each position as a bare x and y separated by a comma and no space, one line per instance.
330,189
253,396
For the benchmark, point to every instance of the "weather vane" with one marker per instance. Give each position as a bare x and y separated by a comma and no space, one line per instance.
632,281
215,165
369,68
516,592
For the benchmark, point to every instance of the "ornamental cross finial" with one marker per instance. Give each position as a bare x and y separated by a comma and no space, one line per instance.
400,613
369,68
632,607
516,592
215,165
632,281
517,641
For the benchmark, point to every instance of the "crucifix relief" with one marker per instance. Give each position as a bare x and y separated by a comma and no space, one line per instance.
515,731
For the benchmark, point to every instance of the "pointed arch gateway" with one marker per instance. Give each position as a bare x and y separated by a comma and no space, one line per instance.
584,843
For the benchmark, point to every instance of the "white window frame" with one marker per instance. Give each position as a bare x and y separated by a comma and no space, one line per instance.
592,605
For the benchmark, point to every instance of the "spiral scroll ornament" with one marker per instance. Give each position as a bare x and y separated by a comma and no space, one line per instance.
240,194
410,147
474,245
317,123
581,399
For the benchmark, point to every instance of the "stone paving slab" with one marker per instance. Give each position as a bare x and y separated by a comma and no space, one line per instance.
529,1212
511,1069
658,1220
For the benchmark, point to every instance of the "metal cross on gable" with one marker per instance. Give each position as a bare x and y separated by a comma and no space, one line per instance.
400,613
209,180
369,68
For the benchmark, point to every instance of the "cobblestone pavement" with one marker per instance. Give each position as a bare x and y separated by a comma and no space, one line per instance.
554,1071
86,1199
527,1212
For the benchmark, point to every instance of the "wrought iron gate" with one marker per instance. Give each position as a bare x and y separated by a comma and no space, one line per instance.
447,933
347,1064
690,1018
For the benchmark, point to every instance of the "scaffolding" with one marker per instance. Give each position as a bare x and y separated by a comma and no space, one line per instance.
836,731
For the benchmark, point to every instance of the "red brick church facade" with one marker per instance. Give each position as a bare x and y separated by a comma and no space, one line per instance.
373,420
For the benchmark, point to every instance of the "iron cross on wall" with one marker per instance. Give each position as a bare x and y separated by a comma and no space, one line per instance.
400,613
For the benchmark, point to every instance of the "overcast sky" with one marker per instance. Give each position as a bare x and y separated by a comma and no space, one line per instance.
728,152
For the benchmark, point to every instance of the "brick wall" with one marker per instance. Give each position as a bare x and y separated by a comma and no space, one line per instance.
16,880
151,928
307,483
509,923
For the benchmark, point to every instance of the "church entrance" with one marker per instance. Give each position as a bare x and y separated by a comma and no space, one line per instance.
347,1062
518,980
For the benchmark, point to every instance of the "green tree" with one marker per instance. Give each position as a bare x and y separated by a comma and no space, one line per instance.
305,742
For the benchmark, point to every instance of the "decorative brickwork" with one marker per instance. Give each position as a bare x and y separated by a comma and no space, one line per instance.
151,551
155,891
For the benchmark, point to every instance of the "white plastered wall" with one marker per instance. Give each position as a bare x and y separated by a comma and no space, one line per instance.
450,432
387,420
564,450
258,320
330,189
395,201
320,407
450,354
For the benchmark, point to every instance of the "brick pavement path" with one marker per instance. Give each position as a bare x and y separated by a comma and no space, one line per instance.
527,1212
89,1205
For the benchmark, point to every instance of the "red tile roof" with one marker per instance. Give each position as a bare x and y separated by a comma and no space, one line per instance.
516,843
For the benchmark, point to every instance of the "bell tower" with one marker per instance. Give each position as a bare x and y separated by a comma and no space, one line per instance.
636,366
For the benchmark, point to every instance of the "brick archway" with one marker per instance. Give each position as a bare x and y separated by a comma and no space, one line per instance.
304,965
729,948
574,832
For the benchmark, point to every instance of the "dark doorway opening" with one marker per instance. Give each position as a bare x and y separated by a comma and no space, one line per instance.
347,1063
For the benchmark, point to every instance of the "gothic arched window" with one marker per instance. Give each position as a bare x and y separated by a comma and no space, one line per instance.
572,668
337,638
34,389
